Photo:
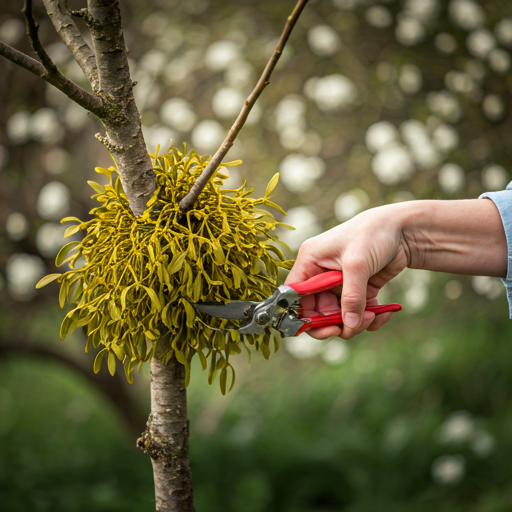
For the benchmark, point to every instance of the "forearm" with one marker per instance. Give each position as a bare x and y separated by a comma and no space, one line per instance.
460,237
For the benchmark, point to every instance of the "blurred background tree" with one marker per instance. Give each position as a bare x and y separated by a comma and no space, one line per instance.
373,102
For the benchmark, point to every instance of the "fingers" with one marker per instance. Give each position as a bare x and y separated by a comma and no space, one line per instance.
347,333
379,321
353,295
327,303
324,303
323,333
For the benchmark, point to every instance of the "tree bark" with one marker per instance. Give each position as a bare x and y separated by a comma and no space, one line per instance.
73,39
165,439
124,137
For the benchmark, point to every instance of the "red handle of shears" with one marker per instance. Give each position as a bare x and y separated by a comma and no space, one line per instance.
336,319
326,281
319,283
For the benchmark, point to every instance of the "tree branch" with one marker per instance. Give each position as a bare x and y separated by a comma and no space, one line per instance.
113,388
90,102
73,39
32,31
23,60
188,201
48,71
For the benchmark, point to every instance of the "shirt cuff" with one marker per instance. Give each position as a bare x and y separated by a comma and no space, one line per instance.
503,201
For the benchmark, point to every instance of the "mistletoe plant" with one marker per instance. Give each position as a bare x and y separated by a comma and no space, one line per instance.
141,274
165,235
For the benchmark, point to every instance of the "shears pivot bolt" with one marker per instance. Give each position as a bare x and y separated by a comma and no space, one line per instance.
262,318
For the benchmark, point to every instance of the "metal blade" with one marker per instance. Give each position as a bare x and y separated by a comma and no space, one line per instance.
236,310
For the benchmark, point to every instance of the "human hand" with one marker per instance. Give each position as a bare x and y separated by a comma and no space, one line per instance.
370,250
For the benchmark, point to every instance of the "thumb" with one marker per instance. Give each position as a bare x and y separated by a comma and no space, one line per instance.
353,295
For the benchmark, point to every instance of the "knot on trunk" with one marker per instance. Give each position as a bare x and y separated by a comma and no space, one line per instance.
153,443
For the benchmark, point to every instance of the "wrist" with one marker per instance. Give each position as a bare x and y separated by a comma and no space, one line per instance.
458,236
414,222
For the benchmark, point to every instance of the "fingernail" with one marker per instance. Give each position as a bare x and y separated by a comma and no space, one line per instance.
351,320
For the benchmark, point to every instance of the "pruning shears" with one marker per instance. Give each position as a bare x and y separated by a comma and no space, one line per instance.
282,309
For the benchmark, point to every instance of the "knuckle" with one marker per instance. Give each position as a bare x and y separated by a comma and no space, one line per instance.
306,247
354,264
351,301
347,334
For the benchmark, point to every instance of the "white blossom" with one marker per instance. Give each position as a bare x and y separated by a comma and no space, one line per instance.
324,40
53,200
448,469
16,226
378,16
451,178
392,165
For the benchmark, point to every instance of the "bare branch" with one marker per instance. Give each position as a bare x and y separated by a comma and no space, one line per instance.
23,60
73,39
48,71
91,102
188,201
32,31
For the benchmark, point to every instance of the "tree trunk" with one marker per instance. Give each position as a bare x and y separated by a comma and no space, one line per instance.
165,439
124,137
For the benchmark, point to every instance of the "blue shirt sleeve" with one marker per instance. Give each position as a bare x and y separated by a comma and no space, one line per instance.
503,201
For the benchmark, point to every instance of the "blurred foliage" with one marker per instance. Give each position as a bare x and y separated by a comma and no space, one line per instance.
294,435
372,102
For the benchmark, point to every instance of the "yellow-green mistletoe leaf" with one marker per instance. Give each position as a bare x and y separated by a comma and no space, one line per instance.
271,185
111,363
71,230
61,256
70,219
98,359
177,263
47,279
154,298
96,187
102,170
